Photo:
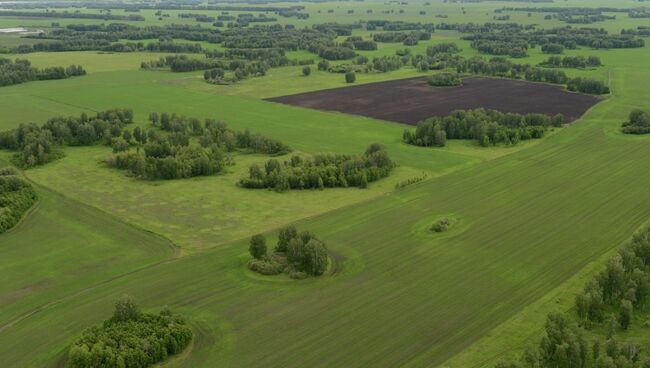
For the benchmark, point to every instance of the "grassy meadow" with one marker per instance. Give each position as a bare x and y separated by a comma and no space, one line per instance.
534,221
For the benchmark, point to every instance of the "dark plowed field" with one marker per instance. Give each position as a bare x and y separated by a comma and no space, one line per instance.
412,100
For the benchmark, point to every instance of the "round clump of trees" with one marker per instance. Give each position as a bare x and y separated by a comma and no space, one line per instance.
130,338
299,255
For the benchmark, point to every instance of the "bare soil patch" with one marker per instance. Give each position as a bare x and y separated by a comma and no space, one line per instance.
412,100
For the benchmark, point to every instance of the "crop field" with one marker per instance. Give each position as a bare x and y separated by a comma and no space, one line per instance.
409,101
531,222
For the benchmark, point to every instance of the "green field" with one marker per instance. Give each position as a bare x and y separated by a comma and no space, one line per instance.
534,221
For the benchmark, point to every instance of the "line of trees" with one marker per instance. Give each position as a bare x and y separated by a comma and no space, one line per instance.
38,145
321,171
488,127
66,14
608,303
586,85
298,254
572,62
637,123
445,80
130,338
21,71
16,197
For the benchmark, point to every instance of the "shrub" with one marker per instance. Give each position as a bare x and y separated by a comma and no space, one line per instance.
638,123
350,77
306,71
257,247
440,225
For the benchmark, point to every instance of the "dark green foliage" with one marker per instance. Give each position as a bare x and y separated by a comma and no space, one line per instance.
350,77
638,123
39,145
571,62
386,63
321,171
586,85
336,52
298,254
488,127
306,71
441,225
20,71
257,247
552,48
445,80
447,47
502,67
130,339
16,197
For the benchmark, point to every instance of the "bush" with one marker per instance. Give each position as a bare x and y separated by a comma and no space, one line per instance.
350,77
257,247
441,225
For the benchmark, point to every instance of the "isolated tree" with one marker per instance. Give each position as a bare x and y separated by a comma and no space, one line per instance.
306,71
350,77
315,257
126,310
257,247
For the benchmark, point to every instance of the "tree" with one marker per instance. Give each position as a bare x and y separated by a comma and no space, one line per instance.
126,310
306,71
153,118
287,233
315,257
625,313
257,247
350,77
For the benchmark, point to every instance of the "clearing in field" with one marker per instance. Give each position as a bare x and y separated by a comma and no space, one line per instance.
412,100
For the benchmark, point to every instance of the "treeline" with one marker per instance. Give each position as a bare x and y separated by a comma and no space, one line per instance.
608,303
158,46
488,127
514,40
38,145
130,338
406,38
571,62
16,197
445,80
321,171
298,254
182,63
65,14
21,71
637,123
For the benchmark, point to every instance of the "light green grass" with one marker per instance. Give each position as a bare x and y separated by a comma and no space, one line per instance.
534,222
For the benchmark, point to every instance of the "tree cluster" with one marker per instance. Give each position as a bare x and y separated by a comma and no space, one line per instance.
572,62
586,85
321,171
20,71
16,197
39,145
445,80
637,123
297,254
130,339
66,14
609,300
488,127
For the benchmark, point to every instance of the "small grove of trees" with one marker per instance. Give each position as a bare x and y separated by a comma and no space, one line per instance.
607,303
38,145
173,156
445,80
130,338
586,85
488,127
20,71
298,254
213,131
637,123
321,171
16,197
441,225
